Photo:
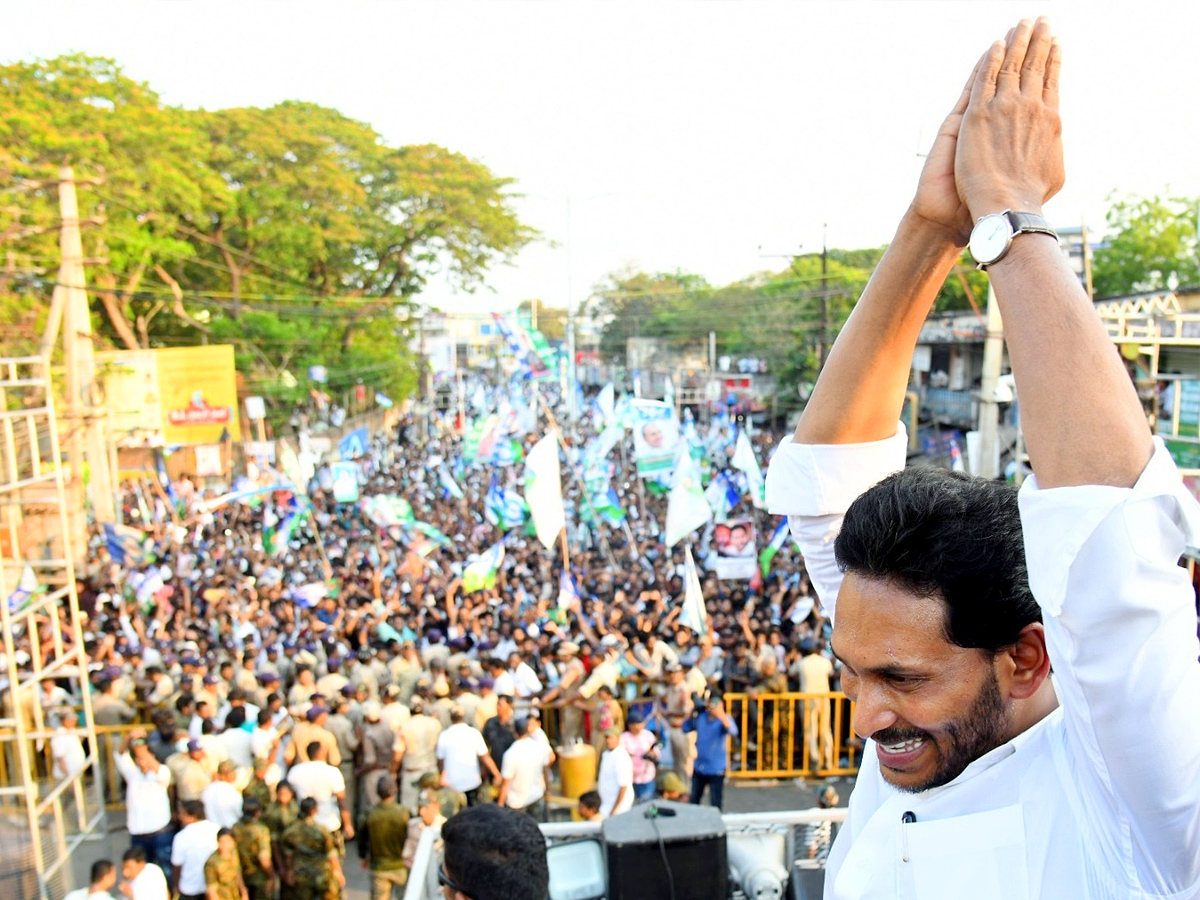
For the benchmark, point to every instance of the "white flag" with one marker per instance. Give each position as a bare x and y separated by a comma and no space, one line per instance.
744,459
543,489
687,509
607,402
693,615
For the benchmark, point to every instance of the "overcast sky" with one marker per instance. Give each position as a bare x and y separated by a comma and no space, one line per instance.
707,137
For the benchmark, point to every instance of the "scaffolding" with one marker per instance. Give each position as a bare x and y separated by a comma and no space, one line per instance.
45,812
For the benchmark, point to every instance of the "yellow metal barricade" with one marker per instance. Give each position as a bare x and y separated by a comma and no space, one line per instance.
792,735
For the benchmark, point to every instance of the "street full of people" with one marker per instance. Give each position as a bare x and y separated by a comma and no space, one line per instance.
308,678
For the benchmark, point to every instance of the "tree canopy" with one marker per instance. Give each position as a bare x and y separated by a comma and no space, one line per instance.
294,232
1152,246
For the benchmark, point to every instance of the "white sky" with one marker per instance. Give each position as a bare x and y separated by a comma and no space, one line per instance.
686,135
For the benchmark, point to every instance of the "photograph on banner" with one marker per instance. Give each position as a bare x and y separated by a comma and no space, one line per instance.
735,543
345,481
655,437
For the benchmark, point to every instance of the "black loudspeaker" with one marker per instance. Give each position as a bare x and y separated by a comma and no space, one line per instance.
692,839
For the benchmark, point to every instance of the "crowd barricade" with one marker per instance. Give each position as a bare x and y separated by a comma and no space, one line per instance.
791,735
108,739
772,741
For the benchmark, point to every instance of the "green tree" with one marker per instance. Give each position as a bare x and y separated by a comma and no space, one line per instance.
142,164
294,232
1153,246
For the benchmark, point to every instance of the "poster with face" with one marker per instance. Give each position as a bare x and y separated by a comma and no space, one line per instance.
345,482
737,552
655,437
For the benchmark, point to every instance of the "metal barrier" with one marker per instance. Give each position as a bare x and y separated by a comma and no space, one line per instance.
792,735
108,739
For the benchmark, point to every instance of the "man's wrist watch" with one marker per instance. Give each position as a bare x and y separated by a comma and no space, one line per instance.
993,234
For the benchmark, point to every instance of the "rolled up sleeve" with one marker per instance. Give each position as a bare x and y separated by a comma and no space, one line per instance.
814,484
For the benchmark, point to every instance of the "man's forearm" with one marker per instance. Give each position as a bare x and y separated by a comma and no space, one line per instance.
1081,417
861,389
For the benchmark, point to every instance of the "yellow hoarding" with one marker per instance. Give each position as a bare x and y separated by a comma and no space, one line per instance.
175,395
198,393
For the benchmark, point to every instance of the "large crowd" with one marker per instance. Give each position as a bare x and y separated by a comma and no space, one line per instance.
278,724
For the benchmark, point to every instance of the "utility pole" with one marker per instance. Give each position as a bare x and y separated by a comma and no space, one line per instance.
86,443
987,465
824,299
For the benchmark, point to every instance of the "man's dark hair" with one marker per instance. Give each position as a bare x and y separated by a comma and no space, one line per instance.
496,853
590,799
235,718
100,869
945,534
308,806
134,854
193,809
313,748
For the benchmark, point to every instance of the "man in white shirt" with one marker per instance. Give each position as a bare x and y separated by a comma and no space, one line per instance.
194,844
236,742
615,779
526,684
147,803
324,783
460,751
142,880
524,771
66,748
984,776
222,801
102,880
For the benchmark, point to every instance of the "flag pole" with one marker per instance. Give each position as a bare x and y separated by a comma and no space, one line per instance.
312,521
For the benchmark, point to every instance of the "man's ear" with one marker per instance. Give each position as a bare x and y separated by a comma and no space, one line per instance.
1025,664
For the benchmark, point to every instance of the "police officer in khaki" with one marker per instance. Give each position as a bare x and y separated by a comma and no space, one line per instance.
386,830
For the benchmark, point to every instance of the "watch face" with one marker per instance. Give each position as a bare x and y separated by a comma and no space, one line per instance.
990,237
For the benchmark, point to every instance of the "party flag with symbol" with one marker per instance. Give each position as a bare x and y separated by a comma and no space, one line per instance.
778,539
480,575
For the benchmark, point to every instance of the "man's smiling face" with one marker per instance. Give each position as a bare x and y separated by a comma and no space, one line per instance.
931,706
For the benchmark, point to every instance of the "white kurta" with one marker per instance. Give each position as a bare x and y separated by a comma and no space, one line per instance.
1101,799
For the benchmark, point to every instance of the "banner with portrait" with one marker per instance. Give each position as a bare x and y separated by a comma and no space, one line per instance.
655,437
345,481
737,551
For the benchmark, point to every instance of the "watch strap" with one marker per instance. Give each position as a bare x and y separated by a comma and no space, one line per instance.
1026,223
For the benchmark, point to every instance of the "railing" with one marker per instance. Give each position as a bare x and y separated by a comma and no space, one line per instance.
108,739
773,741
791,735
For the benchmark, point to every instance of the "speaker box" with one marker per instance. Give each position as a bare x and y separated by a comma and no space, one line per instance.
692,839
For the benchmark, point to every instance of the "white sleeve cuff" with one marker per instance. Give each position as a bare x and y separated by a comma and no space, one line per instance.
1057,522
824,479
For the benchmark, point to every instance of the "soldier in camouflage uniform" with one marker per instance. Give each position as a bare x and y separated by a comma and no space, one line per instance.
312,869
451,801
254,851
223,871
258,787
